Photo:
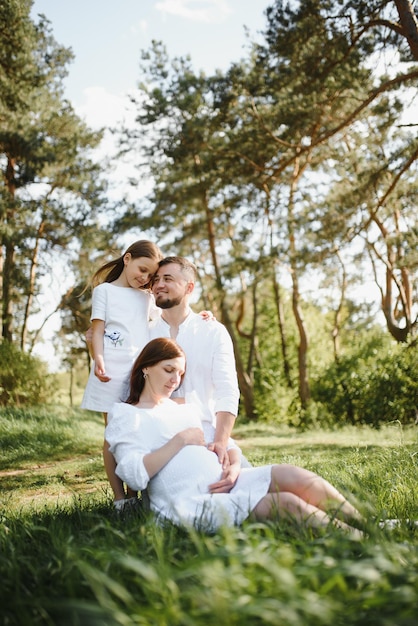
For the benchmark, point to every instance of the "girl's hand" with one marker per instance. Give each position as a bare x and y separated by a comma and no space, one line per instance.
208,316
100,371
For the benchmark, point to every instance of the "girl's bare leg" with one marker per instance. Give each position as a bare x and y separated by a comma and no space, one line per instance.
114,480
110,468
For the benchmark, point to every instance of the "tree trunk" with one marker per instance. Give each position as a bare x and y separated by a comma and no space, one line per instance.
31,289
398,333
304,390
252,354
244,381
71,385
409,25
277,298
282,331
337,317
9,257
394,259
1,281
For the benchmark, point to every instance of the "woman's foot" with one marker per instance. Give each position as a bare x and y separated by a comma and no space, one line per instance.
391,524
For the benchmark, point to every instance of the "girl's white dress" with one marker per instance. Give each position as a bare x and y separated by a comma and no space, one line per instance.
179,492
126,313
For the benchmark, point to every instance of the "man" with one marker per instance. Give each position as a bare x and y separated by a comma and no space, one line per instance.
210,363
211,378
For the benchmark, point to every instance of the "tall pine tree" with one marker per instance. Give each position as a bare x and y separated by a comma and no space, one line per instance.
48,183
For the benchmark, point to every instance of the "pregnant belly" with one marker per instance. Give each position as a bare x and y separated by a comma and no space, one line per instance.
192,470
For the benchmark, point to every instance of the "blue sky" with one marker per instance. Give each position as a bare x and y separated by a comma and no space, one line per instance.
107,36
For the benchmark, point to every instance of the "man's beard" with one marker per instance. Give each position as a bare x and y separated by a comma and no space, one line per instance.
169,303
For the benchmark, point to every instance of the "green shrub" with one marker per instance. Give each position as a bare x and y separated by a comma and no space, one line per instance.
24,379
370,386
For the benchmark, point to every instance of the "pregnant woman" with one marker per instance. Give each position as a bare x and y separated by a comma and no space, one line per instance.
160,445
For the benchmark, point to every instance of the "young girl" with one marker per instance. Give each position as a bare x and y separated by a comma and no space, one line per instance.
122,306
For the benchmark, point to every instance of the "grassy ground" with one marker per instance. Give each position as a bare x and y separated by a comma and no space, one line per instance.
49,457
68,558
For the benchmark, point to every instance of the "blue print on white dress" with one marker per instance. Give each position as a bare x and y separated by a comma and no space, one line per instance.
115,337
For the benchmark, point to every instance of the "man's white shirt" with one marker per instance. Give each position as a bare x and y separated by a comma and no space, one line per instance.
210,364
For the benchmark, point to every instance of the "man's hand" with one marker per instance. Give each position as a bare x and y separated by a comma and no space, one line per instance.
228,479
219,449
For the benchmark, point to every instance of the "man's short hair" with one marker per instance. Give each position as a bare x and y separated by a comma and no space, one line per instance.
187,267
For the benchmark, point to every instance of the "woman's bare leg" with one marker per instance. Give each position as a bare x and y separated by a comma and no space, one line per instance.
312,489
290,506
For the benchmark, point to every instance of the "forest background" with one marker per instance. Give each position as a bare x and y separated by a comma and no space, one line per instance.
290,179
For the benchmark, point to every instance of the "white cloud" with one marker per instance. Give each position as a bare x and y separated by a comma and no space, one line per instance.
209,11
141,27
102,108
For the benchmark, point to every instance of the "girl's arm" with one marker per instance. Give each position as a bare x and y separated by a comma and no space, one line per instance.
155,461
98,327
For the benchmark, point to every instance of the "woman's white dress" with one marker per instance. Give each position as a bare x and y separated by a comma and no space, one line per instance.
126,313
179,492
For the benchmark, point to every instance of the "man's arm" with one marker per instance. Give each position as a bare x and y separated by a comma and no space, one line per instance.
226,391
224,424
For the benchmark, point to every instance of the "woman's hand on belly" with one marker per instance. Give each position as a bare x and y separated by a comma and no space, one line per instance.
191,437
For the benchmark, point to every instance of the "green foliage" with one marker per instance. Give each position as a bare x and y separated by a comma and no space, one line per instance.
83,564
78,562
275,166
373,384
276,399
24,379
42,140
286,166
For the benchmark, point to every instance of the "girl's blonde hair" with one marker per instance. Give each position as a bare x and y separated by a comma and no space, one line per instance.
111,270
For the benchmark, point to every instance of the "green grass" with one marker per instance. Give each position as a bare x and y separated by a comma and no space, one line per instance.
66,558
